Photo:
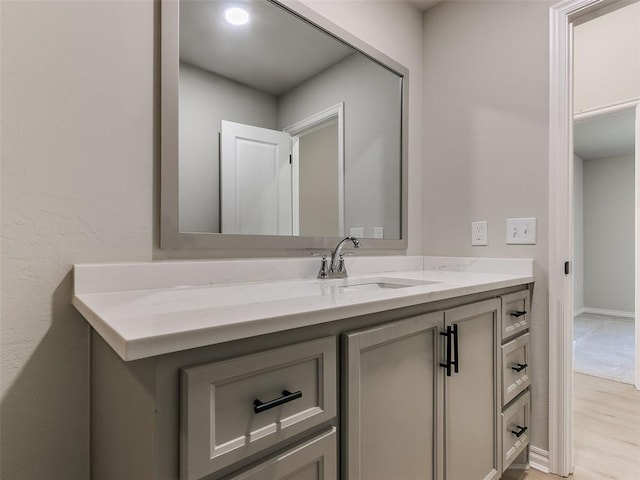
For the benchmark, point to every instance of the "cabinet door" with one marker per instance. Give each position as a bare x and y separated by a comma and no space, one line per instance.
472,395
390,400
312,460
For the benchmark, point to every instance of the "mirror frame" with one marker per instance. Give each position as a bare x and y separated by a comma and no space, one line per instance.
170,236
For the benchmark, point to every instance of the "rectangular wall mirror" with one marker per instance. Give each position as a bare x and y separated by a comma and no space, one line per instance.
279,130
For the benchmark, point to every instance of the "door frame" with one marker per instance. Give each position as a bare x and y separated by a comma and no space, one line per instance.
307,125
562,17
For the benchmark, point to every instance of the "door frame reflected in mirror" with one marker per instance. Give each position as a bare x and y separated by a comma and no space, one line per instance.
304,127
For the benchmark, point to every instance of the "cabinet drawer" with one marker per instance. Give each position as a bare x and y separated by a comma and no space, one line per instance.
515,368
312,460
515,313
233,409
515,429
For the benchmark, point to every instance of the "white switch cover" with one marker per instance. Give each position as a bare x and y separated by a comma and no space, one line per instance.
521,231
479,233
357,232
378,232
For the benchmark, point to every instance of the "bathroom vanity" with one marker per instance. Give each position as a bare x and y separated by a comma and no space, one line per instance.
411,368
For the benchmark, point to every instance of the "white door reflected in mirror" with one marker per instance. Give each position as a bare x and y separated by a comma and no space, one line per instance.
276,184
255,173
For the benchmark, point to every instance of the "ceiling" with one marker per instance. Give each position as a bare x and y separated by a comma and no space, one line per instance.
605,136
424,4
283,50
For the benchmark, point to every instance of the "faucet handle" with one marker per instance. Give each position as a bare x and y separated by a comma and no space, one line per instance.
341,267
324,269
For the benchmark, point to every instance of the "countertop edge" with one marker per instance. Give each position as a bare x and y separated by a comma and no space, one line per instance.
150,346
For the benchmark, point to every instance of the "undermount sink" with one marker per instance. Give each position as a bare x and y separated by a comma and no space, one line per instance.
377,284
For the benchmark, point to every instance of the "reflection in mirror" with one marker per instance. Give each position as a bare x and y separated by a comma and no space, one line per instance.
283,129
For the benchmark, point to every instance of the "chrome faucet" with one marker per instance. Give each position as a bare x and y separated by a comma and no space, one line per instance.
336,267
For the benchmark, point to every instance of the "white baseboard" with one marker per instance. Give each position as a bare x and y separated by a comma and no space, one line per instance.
602,311
539,459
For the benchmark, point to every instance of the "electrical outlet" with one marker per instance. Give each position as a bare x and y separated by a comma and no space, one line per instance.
378,232
357,232
479,233
521,231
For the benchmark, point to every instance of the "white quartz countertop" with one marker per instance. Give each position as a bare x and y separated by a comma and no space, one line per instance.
154,308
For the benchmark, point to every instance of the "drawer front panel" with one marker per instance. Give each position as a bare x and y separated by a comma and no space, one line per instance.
312,460
515,429
515,368
233,409
515,313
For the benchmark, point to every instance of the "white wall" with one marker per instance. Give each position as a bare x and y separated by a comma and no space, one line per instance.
486,70
372,141
607,59
205,100
578,234
77,89
609,232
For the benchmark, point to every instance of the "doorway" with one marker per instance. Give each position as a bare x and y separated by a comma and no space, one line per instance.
564,17
604,246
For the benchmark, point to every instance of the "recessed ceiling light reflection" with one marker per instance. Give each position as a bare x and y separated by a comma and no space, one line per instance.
236,16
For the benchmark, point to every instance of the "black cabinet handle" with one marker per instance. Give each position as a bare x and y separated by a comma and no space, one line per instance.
455,348
447,365
287,396
452,337
520,431
518,367
518,313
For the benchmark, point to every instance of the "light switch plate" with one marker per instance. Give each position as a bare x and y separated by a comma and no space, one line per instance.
479,235
521,231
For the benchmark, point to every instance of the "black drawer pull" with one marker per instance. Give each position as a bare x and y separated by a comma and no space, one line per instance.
518,367
518,313
287,396
520,431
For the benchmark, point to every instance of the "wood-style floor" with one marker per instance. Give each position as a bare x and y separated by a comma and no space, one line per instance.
607,432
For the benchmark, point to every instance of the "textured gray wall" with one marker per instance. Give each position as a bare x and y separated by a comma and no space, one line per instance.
77,186
486,145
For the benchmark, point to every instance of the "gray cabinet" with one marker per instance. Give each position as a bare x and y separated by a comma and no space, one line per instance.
390,402
423,405
516,380
380,407
472,394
